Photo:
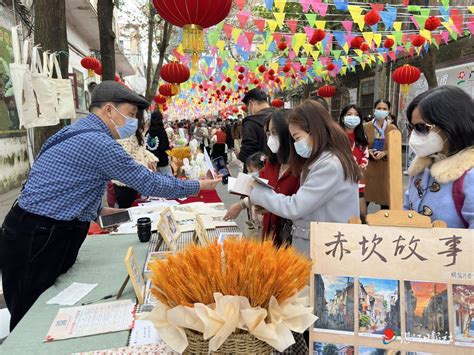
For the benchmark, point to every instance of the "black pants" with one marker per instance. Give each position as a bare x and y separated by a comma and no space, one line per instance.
34,251
125,196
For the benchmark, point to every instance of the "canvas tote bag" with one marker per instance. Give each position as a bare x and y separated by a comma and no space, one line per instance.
25,99
45,91
66,106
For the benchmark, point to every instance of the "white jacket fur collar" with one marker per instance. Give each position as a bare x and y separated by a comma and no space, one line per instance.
445,170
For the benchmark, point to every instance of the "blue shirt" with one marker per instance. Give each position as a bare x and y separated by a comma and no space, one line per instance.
69,180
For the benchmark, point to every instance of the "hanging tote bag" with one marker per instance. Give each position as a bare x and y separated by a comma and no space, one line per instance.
45,92
66,106
25,100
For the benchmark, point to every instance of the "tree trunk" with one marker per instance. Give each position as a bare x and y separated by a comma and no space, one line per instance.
105,12
151,31
162,51
50,32
428,67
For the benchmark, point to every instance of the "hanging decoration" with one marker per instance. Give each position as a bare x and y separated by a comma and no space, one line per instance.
406,75
327,91
91,64
175,73
278,103
193,16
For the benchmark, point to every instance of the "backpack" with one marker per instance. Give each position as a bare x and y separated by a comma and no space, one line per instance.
458,197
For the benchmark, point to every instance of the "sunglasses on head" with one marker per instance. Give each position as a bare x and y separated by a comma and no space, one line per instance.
421,128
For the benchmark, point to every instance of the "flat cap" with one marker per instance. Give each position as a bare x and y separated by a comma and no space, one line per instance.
254,94
112,91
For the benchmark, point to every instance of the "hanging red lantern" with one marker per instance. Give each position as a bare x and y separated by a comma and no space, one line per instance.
293,76
244,108
241,76
223,87
317,36
271,72
356,42
303,69
262,68
278,103
282,45
406,75
286,68
327,91
228,79
175,73
372,18
388,43
99,70
418,40
159,99
278,80
90,63
432,23
330,67
193,16
364,47
256,82
241,70
166,90
235,110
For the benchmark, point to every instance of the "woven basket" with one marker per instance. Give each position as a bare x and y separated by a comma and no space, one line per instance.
244,343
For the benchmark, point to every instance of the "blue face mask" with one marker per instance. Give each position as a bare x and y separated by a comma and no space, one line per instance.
129,128
302,148
380,114
351,121
254,174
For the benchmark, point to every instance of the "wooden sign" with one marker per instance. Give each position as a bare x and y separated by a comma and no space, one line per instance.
394,289
168,228
201,231
135,274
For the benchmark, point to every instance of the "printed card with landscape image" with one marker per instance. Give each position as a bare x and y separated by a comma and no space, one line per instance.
463,298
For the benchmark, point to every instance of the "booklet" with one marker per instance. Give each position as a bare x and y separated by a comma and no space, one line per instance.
242,185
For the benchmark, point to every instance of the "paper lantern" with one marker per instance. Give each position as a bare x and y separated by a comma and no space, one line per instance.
418,40
327,91
278,80
286,68
223,87
262,68
271,72
356,42
166,90
372,18
406,75
432,23
364,47
235,110
388,43
330,67
256,82
160,99
241,70
303,69
175,73
99,70
193,16
228,79
282,46
317,36
241,76
90,63
278,103
244,108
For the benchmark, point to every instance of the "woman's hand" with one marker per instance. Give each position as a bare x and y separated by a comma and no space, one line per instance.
379,155
233,212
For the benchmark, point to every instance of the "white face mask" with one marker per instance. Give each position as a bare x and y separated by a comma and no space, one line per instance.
426,145
273,143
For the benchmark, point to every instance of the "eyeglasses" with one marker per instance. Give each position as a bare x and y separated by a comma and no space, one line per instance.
421,128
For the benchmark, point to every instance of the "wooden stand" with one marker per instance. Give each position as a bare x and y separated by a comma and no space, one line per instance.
395,173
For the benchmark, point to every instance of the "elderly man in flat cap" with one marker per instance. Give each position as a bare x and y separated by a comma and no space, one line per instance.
44,230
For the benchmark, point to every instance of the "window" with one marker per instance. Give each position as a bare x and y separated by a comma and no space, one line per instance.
367,96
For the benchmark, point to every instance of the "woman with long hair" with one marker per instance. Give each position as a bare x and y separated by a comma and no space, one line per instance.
157,142
329,175
351,120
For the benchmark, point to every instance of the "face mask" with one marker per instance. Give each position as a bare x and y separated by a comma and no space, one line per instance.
128,129
351,121
426,145
254,174
302,148
380,114
273,143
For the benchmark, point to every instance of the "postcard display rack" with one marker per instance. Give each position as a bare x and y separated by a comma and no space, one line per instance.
399,285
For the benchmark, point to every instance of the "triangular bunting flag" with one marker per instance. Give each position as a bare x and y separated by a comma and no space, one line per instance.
269,4
292,25
272,25
280,18
311,18
347,24
341,5
243,17
280,5
305,5
249,36
321,25
259,23
308,48
228,30
236,34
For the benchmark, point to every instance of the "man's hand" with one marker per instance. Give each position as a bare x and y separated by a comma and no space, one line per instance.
106,211
209,184
152,166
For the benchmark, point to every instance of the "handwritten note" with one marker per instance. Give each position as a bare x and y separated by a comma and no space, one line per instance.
143,333
94,319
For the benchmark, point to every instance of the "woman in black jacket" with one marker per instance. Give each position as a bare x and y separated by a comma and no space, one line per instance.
157,142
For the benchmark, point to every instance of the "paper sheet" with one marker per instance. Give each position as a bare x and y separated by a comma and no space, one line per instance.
143,333
94,319
72,294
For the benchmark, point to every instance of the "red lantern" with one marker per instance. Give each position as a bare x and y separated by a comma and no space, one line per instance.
193,16
99,69
432,23
388,43
282,46
235,110
166,90
372,18
211,78
286,68
278,103
241,76
303,69
418,40
160,99
327,91
244,108
262,68
271,72
278,80
228,79
256,82
356,42
330,67
175,73
223,87
406,75
317,36
90,63
241,69
364,47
